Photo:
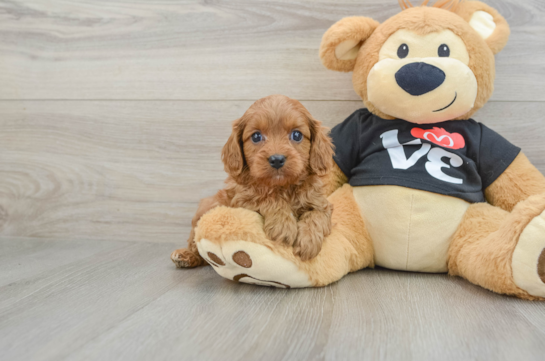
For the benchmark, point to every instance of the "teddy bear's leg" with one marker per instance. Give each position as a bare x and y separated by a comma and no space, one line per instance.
501,251
232,240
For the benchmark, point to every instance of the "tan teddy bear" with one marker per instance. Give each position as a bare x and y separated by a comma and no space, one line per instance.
429,189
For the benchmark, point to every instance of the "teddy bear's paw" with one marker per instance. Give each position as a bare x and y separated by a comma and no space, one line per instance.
529,258
252,263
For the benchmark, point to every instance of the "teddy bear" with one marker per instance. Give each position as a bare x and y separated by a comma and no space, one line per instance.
417,185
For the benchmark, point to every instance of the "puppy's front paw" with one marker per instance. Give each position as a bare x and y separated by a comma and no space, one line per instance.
313,227
284,231
184,258
309,240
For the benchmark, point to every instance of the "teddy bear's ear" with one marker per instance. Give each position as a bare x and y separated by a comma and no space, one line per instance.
342,41
486,21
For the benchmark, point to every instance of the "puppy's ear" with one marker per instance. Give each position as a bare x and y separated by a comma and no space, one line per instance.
232,153
487,22
342,42
321,148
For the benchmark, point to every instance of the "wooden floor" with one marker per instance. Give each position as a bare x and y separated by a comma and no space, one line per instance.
112,117
116,300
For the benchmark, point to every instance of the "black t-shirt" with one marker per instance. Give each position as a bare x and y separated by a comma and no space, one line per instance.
457,158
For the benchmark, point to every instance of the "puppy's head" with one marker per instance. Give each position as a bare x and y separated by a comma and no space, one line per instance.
277,142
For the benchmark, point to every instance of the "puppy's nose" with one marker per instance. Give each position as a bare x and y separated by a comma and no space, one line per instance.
277,161
419,78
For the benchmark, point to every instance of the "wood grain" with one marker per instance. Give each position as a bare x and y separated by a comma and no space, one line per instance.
212,50
127,303
133,170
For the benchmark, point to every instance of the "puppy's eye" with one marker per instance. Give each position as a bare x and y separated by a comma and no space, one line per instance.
403,51
443,51
257,137
296,136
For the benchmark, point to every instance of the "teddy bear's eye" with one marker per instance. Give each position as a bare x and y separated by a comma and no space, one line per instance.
257,137
443,51
296,136
403,51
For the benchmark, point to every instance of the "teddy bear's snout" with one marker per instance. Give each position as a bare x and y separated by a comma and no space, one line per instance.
419,78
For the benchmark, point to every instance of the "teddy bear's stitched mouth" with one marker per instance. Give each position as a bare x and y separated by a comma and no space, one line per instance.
452,102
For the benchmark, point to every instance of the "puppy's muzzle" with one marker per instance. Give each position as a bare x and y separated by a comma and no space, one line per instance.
277,161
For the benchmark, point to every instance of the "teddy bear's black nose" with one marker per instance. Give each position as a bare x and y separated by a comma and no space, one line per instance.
419,78
277,161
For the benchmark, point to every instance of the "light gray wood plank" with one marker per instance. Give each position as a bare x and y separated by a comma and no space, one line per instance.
57,312
132,170
212,50
429,317
32,257
371,315
131,303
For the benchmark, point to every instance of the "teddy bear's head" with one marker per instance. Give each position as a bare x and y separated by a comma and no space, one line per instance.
424,65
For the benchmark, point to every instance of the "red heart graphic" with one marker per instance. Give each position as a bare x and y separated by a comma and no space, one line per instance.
440,137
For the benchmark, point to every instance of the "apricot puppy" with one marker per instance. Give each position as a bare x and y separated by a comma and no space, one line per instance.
275,159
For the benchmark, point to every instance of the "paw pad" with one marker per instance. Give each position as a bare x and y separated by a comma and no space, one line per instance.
214,260
255,281
242,259
541,266
252,263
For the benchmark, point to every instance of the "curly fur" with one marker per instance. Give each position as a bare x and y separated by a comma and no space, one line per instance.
291,199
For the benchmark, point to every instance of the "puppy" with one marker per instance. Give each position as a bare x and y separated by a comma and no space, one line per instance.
275,158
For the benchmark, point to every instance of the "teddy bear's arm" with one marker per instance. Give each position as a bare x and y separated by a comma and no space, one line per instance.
334,179
519,181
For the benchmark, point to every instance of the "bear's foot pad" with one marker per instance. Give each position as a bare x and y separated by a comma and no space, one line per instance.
541,266
252,263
